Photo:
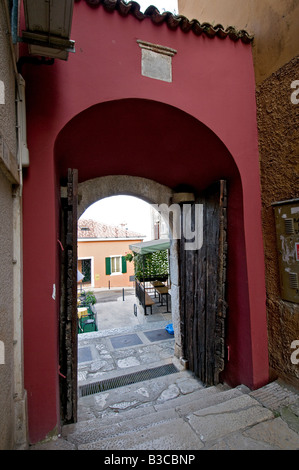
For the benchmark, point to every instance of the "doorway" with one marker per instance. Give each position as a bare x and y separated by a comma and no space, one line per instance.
198,328
85,267
129,341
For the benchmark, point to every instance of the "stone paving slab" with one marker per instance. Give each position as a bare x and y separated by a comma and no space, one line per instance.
157,391
238,441
140,423
205,401
106,358
57,443
290,414
157,335
275,395
116,313
175,434
125,340
276,433
233,415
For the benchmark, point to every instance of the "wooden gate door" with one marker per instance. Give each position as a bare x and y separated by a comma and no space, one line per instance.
68,303
203,275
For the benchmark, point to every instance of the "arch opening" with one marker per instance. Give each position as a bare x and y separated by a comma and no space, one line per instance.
142,138
153,194
154,151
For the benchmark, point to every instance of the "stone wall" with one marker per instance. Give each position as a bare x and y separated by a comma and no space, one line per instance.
279,160
7,134
6,316
13,409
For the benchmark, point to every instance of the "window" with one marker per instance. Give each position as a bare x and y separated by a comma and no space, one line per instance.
116,265
86,270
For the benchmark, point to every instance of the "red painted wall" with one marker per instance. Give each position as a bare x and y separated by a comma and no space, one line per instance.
96,113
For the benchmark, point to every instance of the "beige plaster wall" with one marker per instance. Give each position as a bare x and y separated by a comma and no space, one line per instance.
98,251
274,24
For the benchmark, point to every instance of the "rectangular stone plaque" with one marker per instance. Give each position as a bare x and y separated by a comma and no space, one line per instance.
156,61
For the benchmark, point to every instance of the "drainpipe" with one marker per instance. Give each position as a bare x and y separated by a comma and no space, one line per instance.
11,41
14,21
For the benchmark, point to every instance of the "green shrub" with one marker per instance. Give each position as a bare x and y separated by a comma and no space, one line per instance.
88,298
151,265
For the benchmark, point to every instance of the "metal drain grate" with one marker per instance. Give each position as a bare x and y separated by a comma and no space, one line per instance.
135,377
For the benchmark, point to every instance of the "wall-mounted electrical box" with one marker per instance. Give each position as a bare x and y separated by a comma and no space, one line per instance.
287,235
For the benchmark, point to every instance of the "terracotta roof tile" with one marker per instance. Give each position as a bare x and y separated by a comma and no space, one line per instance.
88,228
172,21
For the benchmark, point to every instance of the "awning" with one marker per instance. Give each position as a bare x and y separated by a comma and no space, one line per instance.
150,246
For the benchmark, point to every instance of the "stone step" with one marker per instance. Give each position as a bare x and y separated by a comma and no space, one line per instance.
161,404
173,434
120,428
118,400
147,416
211,396
215,418
192,433
232,415
110,419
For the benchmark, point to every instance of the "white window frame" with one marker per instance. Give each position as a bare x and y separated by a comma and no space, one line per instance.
116,273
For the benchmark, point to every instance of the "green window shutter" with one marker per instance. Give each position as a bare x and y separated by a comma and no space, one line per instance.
108,266
123,264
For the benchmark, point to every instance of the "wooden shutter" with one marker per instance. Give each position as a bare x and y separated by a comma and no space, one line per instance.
123,265
108,265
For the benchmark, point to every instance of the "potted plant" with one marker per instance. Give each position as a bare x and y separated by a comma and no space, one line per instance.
87,298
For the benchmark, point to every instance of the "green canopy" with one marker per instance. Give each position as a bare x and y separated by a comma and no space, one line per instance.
150,246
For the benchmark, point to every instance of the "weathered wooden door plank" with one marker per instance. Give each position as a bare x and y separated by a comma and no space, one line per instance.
68,304
203,278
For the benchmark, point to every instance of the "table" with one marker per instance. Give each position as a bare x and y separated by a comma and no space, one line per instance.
163,290
157,284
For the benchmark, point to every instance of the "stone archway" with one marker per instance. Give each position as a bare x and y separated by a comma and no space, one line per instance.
152,192
163,147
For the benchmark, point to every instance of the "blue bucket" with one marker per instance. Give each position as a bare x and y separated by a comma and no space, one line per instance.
169,329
